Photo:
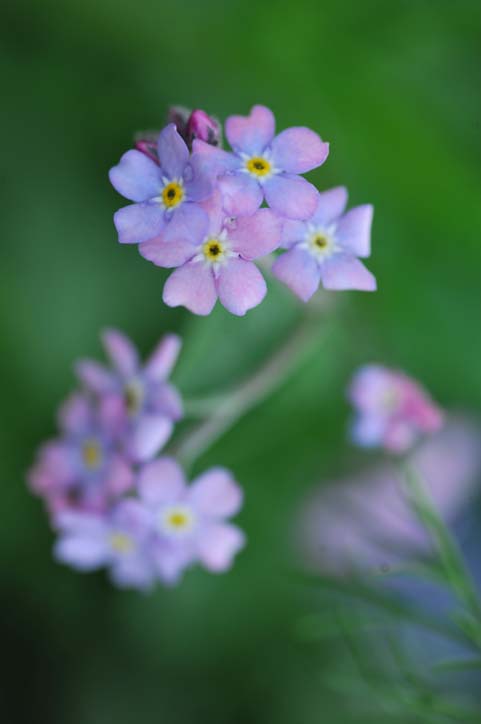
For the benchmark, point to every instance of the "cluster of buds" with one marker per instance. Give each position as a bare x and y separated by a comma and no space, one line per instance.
112,501
209,213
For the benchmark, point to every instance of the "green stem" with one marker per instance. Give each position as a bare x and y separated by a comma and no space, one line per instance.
455,571
224,412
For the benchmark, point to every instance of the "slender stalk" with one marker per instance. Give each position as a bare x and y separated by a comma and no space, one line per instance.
227,410
456,574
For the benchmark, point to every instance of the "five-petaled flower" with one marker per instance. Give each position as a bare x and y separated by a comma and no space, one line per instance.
324,248
166,195
215,260
85,468
264,166
169,528
392,410
141,405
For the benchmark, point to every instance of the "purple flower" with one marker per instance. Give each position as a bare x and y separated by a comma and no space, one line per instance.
393,410
139,402
83,469
118,540
166,196
189,523
265,166
217,262
324,248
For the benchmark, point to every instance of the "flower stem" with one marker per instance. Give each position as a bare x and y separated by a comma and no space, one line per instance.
225,411
456,574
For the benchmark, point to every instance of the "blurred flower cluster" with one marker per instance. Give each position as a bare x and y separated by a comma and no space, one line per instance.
197,209
112,503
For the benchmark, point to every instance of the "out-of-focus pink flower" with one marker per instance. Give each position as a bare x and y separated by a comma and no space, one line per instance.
392,410
139,402
364,523
83,469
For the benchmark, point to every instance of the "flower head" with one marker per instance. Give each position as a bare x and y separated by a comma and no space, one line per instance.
84,468
393,410
324,248
140,404
166,194
264,166
118,540
170,528
215,261
189,522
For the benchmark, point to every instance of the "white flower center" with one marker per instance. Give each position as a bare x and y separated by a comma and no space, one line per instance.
319,242
176,520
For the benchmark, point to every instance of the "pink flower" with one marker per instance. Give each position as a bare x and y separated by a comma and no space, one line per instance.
364,522
264,166
324,248
83,469
218,265
392,410
141,405
189,522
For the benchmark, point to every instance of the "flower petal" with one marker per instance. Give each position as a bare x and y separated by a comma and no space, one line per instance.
133,572
161,481
298,149
256,235
330,206
162,360
150,434
214,160
293,232
291,196
192,286
82,553
136,176
95,376
354,230
198,184
75,414
167,254
343,271
171,562
218,544
173,152
252,133
299,271
139,222
242,195
121,352
132,517
166,400
216,493
119,477
240,286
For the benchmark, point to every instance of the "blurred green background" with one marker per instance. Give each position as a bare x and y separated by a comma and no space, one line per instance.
394,86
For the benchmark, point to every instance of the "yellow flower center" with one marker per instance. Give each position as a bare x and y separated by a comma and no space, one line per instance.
121,543
258,166
92,454
213,250
172,194
133,397
320,241
178,519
